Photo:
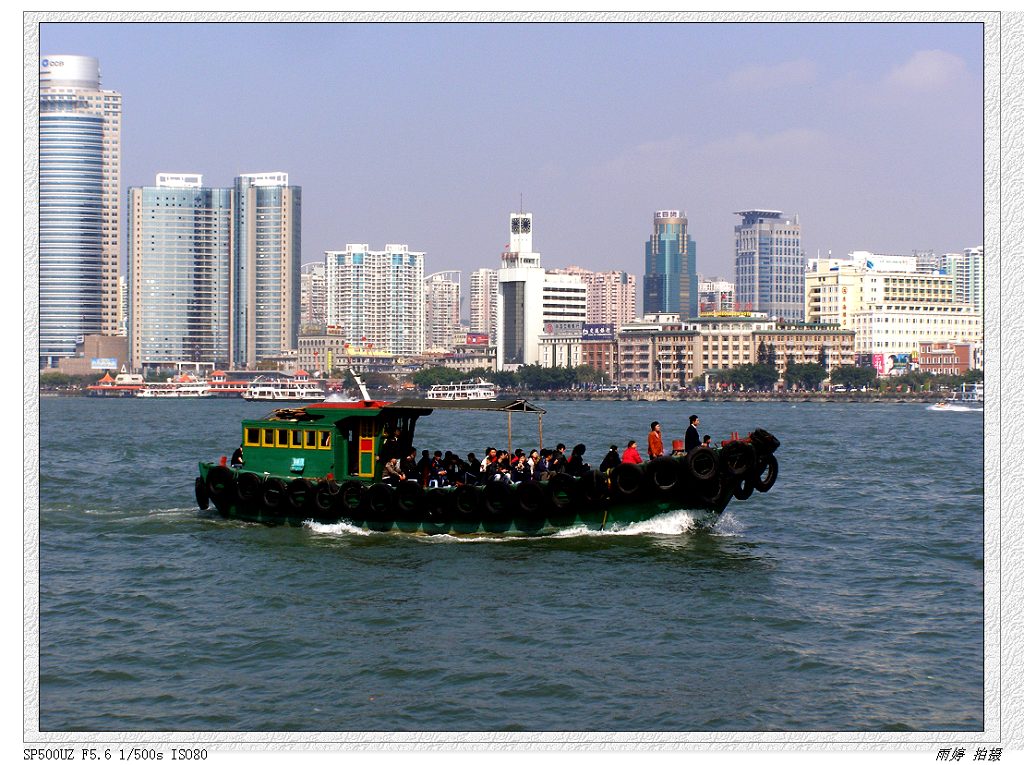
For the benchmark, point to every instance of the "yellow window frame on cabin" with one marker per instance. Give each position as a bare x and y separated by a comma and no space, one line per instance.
252,437
296,439
268,437
323,439
310,440
282,437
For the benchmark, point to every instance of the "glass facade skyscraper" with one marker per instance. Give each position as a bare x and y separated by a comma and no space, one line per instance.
79,205
670,267
179,251
267,262
770,264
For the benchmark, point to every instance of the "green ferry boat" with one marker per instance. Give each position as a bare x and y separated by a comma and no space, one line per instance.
321,462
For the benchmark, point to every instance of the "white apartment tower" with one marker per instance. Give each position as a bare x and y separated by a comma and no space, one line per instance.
968,272
79,205
611,295
313,294
442,294
483,302
376,297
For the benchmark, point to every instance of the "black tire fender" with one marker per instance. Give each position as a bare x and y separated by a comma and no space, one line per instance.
300,493
220,482
664,474
562,491
627,480
380,501
466,503
274,491
530,498
594,487
326,495
409,496
763,484
202,497
435,505
737,459
702,464
250,486
744,488
498,499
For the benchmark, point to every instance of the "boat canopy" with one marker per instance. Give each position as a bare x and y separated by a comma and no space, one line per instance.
480,405
425,406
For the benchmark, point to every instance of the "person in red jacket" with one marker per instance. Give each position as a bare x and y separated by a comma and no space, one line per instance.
632,455
654,446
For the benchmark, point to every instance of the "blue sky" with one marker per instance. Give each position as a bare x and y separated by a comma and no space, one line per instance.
427,134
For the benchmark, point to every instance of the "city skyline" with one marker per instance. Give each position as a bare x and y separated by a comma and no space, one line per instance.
433,148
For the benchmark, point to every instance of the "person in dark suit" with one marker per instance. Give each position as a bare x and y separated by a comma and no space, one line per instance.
692,437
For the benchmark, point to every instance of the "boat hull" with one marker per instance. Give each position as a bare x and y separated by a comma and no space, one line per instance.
597,501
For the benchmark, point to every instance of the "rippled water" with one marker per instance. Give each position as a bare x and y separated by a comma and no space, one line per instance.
849,597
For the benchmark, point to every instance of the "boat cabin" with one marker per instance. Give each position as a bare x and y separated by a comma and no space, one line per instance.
344,439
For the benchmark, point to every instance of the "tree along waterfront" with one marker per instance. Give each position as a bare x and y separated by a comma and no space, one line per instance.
744,381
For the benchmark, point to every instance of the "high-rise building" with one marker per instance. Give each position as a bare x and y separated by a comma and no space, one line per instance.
179,251
611,295
313,297
79,205
890,304
670,266
442,294
267,259
716,295
529,299
483,302
968,272
375,297
769,264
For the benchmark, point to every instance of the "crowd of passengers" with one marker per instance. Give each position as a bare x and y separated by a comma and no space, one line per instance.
449,469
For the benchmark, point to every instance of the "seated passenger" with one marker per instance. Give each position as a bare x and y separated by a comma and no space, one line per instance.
392,474
611,460
575,464
437,474
632,455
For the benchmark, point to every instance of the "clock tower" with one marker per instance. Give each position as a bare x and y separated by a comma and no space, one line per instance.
520,232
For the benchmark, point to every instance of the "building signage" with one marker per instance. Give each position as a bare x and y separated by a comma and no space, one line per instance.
563,328
891,363
598,331
477,338
103,364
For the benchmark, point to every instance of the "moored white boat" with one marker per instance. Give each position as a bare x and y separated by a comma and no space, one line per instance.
476,390
176,389
284,390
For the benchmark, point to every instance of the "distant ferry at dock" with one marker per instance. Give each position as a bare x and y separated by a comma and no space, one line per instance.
301,388
125,385
184,387
478,390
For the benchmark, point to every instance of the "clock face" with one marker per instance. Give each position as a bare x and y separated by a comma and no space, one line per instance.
515,225
524,225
